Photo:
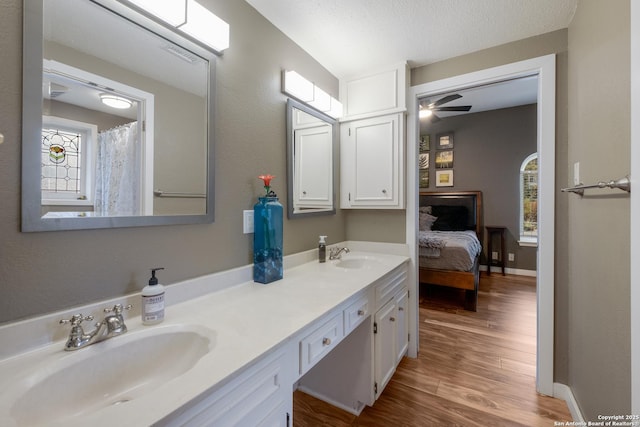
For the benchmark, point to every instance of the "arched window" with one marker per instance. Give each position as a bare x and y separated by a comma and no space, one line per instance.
529,201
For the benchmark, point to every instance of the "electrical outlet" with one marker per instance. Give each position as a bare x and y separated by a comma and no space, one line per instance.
494,255
247,221
512,257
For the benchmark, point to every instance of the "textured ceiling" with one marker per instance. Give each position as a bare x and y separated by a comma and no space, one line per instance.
351,37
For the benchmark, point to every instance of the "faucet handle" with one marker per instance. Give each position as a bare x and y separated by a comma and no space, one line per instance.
76,319
117,309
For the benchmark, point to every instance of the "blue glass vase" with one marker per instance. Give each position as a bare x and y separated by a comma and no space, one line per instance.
267,240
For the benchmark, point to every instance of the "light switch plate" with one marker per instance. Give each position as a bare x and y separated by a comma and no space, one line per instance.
247,221
576,173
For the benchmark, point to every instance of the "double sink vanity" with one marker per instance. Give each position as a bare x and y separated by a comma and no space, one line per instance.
230,352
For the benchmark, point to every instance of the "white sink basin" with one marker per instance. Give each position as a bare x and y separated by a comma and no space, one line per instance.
109,373
355,262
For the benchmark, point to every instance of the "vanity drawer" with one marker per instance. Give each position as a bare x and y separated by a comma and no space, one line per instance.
321,341
355,314
389,285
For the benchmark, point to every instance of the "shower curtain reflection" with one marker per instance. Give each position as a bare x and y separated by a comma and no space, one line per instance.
117,172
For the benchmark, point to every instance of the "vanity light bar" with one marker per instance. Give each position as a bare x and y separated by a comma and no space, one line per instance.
302,89
191,18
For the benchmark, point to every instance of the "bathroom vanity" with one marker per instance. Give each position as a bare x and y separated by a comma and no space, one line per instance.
230,352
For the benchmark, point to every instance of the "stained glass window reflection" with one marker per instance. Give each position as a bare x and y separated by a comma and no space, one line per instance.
61,161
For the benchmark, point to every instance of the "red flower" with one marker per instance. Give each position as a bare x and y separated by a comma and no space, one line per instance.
267,182
267,179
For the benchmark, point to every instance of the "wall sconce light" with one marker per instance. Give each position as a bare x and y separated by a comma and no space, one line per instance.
295,85
190,17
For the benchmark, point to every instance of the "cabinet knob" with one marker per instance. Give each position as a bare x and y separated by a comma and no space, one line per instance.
392,319
400,308
360,312
326,341
304,193
384,191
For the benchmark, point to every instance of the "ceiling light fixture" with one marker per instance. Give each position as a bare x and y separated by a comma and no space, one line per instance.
424,113
115,101
190,17
295,85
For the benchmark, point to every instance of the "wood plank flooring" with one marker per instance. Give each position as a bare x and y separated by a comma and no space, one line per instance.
473,369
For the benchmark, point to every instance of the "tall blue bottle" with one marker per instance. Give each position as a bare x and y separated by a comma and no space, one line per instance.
267,239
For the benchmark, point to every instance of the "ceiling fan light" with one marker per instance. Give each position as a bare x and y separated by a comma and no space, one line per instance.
424,113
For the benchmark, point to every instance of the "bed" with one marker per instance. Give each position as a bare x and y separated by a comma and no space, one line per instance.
449,236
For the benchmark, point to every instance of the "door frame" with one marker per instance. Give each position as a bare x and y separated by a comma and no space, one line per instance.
635,209
545,68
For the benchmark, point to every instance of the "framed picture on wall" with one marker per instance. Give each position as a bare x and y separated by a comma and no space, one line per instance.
444,141
423,161
444,159
424,143
424,178
444,178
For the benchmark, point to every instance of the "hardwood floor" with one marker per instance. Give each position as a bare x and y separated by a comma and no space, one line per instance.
473,368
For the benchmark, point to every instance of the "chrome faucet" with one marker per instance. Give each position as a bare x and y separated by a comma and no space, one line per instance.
115,322
336,252
112,326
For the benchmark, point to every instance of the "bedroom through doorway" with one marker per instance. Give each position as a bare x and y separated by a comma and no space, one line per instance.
456,151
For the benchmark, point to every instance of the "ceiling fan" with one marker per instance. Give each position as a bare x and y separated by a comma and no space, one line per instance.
427,110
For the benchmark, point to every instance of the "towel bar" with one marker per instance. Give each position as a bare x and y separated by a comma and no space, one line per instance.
622,184
160,193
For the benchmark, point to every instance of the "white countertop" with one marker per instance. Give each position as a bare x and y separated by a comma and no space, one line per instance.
249,320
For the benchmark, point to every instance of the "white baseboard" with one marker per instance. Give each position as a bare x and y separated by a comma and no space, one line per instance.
562,391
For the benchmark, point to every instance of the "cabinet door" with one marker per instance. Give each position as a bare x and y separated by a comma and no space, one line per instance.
313,186
385,345
402,324
372,163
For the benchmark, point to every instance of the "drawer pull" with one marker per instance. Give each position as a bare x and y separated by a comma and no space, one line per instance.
360,312
326,341
392,319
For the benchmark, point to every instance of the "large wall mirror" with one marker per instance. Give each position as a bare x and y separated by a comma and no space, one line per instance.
312,139
117,119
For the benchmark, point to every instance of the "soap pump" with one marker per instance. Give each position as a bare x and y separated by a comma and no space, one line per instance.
322,249
153,300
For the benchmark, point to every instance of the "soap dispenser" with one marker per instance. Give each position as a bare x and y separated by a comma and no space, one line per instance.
153,300
322,249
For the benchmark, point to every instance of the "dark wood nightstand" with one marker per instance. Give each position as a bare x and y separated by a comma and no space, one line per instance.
495,230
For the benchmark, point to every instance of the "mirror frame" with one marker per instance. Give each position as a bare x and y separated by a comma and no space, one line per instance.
33,47
291,104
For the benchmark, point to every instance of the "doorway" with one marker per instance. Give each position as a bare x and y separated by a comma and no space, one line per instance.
544,68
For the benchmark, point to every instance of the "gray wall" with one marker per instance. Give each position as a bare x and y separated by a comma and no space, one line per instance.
489,148
599,223
250,140
550,43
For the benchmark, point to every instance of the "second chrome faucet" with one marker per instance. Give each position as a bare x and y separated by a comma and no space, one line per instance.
336,252
112,326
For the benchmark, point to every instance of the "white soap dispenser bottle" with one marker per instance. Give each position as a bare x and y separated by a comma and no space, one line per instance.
153,300
322,249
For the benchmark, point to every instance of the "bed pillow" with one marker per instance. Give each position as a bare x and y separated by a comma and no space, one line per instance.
450,218
425,209
426,221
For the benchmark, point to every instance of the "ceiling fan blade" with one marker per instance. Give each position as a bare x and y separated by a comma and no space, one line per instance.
457,108
446,99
